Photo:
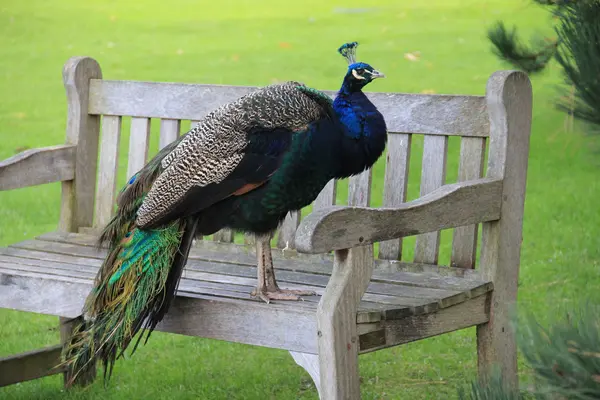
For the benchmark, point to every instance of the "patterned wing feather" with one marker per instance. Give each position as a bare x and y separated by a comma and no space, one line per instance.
199,166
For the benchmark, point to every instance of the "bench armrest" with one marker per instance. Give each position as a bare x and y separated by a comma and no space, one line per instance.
458,204
38,166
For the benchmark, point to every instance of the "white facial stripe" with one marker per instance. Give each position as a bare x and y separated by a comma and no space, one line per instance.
369,72
356,75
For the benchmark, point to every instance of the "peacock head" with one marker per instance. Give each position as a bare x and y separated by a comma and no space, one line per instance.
359,74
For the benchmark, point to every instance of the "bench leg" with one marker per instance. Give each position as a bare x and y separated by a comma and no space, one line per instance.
85,377
310,362
336,323
497,346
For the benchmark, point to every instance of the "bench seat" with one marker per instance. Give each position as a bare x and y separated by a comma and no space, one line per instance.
53,273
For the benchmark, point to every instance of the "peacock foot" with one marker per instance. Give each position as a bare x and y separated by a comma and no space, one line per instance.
267,288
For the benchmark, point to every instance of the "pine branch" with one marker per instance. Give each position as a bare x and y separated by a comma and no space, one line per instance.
565,357
579,56
508,47
495,389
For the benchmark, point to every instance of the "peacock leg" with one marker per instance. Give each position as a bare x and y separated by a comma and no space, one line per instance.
267,288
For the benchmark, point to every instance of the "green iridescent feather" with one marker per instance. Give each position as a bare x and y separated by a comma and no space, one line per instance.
131,283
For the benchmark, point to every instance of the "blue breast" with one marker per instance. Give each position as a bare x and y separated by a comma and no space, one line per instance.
365,132
359,116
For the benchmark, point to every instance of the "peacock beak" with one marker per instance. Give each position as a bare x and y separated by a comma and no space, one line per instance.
376,74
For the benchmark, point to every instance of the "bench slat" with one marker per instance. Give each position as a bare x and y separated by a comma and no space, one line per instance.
139,140
464,239
409,113
395,184
31,365
402,285
327,196
427,275
197,282
224,235
245,275
169,131
359,189
286,326
411,281
435,150
107,171
287,231
38,166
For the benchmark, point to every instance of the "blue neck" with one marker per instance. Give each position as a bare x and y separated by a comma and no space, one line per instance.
365,132
350,86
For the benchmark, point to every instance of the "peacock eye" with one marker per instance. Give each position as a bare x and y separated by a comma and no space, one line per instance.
360,70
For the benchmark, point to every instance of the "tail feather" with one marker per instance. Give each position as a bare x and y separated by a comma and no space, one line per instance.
133,290
136,282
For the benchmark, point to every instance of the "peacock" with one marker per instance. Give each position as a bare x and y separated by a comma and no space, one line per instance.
244,166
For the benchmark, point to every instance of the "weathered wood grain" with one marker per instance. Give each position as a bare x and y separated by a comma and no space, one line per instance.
31,365
235,281
408,113
65,254
139,139
327,196
169,131
395,184
509,101
359,189
404,330
433,175
77,201
244,255
399,290
107,171
37,167
336,322
250,322
310,363
450,206
224,235
464,239
287,231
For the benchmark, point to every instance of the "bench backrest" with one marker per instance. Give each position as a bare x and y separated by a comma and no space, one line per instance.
100,106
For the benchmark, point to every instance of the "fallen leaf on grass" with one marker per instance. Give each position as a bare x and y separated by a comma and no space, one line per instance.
413,56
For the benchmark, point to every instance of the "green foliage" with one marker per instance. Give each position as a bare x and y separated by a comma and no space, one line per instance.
495,389
579,56
564,359
577,50
509,48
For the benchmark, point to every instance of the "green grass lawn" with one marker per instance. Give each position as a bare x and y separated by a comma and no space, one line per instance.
257,43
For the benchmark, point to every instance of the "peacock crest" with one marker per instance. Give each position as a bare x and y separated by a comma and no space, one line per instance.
348,50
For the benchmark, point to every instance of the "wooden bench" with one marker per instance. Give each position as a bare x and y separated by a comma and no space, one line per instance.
364,303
